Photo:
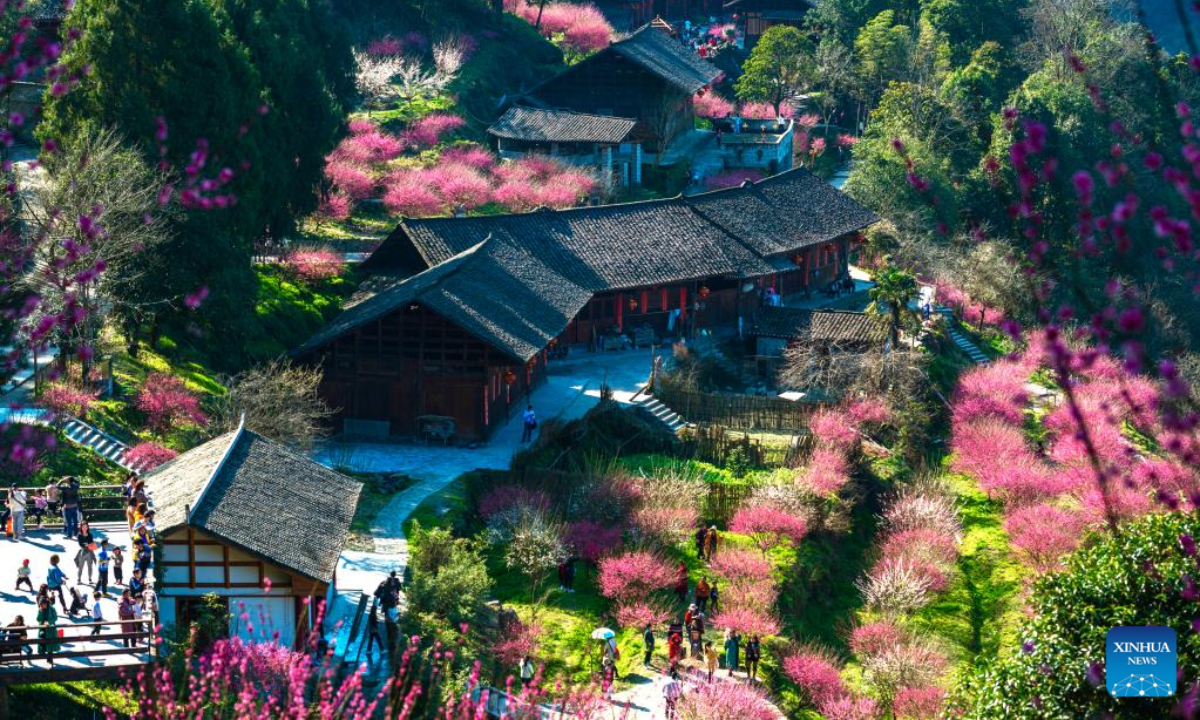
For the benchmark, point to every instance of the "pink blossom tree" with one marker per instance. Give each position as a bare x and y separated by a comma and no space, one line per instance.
314,265
166,403
874,637
1044,533
725,700
768,526
146,456
918,703
736,564
732,178
431,129
640,613
634,575
591,540
828,471
747,621
708,104
817,675
65,400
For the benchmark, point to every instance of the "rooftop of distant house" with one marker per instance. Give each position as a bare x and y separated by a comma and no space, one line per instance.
539,125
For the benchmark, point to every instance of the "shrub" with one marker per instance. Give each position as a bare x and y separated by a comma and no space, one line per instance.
640,613
516,640
996,390
634,575
429,130
503,497
734,564
592,541
65,400
923,510
407,195
895,588
1144,576
828,471
848,707
351,180
314,265
873,638
166,402
817,676
450,583
146,456
768,526
746,621
922,544
725,700
1044,533
901,666
469,155
918,703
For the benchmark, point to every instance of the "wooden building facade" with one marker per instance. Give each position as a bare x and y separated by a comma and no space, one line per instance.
257,525
463,311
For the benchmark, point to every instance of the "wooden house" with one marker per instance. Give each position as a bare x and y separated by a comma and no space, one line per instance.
241,510
602,143
648,77
777,328
755,16
460,312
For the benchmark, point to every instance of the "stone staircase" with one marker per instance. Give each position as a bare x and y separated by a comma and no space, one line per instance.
977,356
107,446
673,420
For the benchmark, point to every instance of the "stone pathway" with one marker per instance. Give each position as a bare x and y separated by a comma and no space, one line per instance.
977,356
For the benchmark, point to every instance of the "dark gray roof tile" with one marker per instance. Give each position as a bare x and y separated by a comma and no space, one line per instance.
537,125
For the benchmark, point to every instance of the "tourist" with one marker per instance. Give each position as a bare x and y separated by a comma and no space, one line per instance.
40,506
55,580
671,692
53,498
608,672
713,597
18,503
568,575
732,640
696,633
373,634
79,602
691,612
526,671
17,635
648,641
23,573
139,493
701,536
710,544
102,563
136,583
710,659
529,420
681,582
97,614
118,561
131,514
702,590
127,486
753,654
86,557
70,505
674,645
43,592
150,600
127,613
47,620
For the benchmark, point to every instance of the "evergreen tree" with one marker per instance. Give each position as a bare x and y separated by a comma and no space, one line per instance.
780,65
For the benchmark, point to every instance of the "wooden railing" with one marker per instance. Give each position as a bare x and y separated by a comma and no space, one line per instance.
15,660
98,502
742,412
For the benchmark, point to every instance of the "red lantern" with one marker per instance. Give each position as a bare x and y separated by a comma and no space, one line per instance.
633,304
704,292
510,377
553,342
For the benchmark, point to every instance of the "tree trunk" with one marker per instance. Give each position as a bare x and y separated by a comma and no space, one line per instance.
895,325
538,24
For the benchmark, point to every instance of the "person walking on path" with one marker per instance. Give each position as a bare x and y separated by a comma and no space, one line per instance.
713,596
681,582
710,543
97,613
701,536
710,659
702,592
529,421
732,640
753,654
40,506
526,671
127,613
86,557
131,513
118,560
18,503
648,641
696,633
373,634
672,689
70,504
47,620
102,562
55,580
23,573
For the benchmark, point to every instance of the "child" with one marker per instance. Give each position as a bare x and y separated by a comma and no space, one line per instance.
97,613
78,602
136,584
40,505
23,574
118,559
102,566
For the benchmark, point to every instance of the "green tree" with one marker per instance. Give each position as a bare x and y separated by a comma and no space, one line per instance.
449,582
884,49
780,65
895,288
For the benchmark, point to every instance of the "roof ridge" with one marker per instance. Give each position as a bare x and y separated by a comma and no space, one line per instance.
568,112
237,436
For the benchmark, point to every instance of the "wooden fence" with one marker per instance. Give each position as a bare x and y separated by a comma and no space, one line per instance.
99,503
714,444
743,412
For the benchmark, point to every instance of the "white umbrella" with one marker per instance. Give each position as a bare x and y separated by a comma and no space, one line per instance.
603,634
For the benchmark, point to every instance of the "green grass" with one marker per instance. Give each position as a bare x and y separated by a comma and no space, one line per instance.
370,502
979,613
444,508
83,463
66,701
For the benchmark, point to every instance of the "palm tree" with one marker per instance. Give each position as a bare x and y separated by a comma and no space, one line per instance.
896,288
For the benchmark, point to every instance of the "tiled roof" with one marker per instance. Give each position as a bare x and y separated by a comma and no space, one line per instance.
783,213
667,58
517,280
820,325
264,498
536,125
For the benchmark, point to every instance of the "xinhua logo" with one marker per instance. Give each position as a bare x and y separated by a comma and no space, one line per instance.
1140,661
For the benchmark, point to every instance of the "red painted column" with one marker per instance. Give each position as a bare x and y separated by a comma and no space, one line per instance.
664,299
486,421
620,326
682,303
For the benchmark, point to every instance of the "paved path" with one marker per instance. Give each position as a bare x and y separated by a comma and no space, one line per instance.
572,388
